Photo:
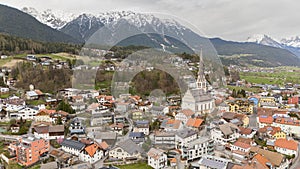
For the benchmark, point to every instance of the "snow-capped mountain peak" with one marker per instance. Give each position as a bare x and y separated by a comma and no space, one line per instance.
55,19
264,40
293,41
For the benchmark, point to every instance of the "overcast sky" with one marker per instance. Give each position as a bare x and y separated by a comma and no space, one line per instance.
228,19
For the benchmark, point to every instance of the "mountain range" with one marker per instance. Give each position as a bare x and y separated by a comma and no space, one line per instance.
290,44
18,23
130,28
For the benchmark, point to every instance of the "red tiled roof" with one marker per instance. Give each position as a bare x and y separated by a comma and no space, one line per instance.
194,122
266,119
242,145
261,160
91,149
287,144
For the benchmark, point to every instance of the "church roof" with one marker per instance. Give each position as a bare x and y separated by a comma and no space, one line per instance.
199,95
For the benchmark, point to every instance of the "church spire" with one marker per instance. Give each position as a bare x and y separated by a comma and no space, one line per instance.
201,81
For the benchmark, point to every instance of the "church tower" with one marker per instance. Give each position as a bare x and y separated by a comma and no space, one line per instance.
201,81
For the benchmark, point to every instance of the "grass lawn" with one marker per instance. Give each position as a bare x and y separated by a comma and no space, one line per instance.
35,102
3,61
281,75
135,166
4,96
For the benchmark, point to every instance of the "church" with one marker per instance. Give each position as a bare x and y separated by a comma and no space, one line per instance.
197,98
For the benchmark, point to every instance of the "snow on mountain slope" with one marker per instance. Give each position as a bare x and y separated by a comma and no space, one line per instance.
293,42
264,40
54,19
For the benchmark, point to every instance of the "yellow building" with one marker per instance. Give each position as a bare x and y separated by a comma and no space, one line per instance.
267,102
278,134
240,105
137,115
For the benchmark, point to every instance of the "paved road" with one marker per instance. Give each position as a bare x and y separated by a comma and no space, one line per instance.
99,163
180,165
252,121
296,165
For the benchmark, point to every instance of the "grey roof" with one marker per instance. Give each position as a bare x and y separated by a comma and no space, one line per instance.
105,135
212,163
73,144
184,133
199,95
137,134
157,108
228,128
57,128
129,146
200,140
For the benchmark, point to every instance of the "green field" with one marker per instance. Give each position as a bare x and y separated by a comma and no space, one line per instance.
135,166
281,75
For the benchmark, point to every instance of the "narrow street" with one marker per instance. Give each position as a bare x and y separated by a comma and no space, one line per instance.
297,164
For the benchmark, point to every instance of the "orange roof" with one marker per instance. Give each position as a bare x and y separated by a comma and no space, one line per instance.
91,149
287,144
266,119
288,121
173,160
175,123
262,160
46,112
105,97
275,130
188,112
193,122
242,145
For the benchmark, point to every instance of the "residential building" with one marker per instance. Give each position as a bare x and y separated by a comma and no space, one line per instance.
287,147
198,148
93,152
184,137
142,126
184,115
76,127
267,159
28,149
157,158
195,123
72,146
137,137
164,139
225,133
267,102
126,149
171,125
231,116
240,105
49,132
